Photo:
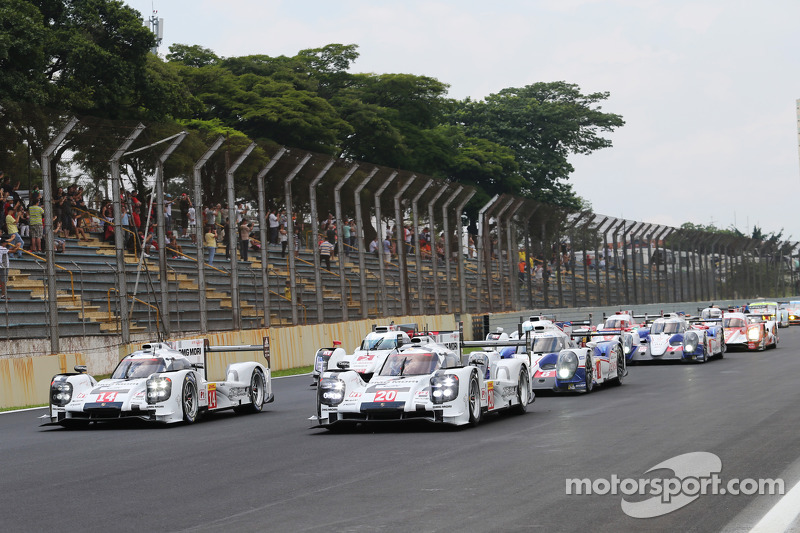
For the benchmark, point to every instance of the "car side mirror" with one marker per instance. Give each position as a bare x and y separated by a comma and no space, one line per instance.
344,365
399,340
80,369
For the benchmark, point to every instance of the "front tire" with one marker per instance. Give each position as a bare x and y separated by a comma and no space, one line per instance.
523,393
189,400
617,381
589,370
475,409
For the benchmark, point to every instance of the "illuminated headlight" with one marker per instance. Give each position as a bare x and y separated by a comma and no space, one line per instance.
627,344
158,389
444,388
753,334
331,391
690,341
567,365
60,393
792,317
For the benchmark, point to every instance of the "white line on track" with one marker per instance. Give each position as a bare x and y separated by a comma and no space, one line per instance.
781,516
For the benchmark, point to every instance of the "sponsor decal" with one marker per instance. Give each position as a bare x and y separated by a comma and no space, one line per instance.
212,395
509,391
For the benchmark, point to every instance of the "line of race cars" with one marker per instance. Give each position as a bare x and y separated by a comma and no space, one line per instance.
398,373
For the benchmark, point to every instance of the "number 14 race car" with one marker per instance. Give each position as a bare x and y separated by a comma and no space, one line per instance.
158,383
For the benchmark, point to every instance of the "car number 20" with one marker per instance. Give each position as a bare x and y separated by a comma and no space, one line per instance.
385,395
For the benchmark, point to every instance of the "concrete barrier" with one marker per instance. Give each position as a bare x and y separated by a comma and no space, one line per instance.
25,372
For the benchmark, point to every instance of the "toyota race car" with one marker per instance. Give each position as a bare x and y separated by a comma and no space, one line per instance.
159,384
750,332
793,310
673,337
425,382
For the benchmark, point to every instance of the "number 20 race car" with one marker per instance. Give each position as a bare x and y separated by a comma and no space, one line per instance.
425,382
158,383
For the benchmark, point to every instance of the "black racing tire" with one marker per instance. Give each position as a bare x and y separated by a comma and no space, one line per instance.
589,370
523,393
189,400
621,368
474,402
256,392
705,349
722,347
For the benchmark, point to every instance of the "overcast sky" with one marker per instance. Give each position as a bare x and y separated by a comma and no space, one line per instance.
708,89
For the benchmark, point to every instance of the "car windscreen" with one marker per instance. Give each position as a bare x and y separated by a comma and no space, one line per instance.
666,327
381,343
138,368
763,309
615,323
732,323
409,364
546,345
711,313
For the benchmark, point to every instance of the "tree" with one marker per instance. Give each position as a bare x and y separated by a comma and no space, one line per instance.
543,124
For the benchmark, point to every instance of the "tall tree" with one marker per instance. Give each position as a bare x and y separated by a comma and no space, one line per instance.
543,124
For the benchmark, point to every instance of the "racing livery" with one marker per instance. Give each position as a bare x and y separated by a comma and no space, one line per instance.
793,310
425,382
580,369
623,327
158,383
770,311
673,337
750,332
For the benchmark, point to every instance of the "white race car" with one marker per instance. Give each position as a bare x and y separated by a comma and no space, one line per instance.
770,311
545,341
673,337
419,383
160,384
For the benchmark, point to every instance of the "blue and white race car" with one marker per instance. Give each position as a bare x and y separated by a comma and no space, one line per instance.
158,383
673,337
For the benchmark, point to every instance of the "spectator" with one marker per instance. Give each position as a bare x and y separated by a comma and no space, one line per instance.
171,245
387,248
296,242
244,237
283,237
346,238
35,216
59,245
353,234
273,227
191,218
168,201
325,250
210,241
183,206
11,227
80,222
373,246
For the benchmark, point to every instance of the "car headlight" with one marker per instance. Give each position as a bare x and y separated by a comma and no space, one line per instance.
690,341
792,317
331,391
159,389
753,334
567,365
627,344
60,393
444,388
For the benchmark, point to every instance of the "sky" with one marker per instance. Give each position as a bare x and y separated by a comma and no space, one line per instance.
707,88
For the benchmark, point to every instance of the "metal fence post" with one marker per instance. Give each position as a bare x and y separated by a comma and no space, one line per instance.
480,248
199,233
287,188
434,257
401,244
312,201
263,220
233,237
343,251
462,282
447,248
362,269
417,255
381,237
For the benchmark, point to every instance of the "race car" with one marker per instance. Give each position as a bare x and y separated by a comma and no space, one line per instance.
545,339
750,332
622,326
770,311
370,354
580,369
793,310
673,337
418,383
159,383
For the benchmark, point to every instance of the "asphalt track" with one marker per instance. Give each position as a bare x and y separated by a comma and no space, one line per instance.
269,472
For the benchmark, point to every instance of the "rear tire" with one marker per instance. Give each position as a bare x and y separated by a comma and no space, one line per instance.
588,370
523,393
256,392
621,369
189,400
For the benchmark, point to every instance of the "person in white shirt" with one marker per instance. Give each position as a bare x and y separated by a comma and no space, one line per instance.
192,215
4,266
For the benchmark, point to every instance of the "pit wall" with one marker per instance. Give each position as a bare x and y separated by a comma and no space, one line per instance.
25,374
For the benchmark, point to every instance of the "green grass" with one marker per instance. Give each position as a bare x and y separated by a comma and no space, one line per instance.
2,409
293,371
